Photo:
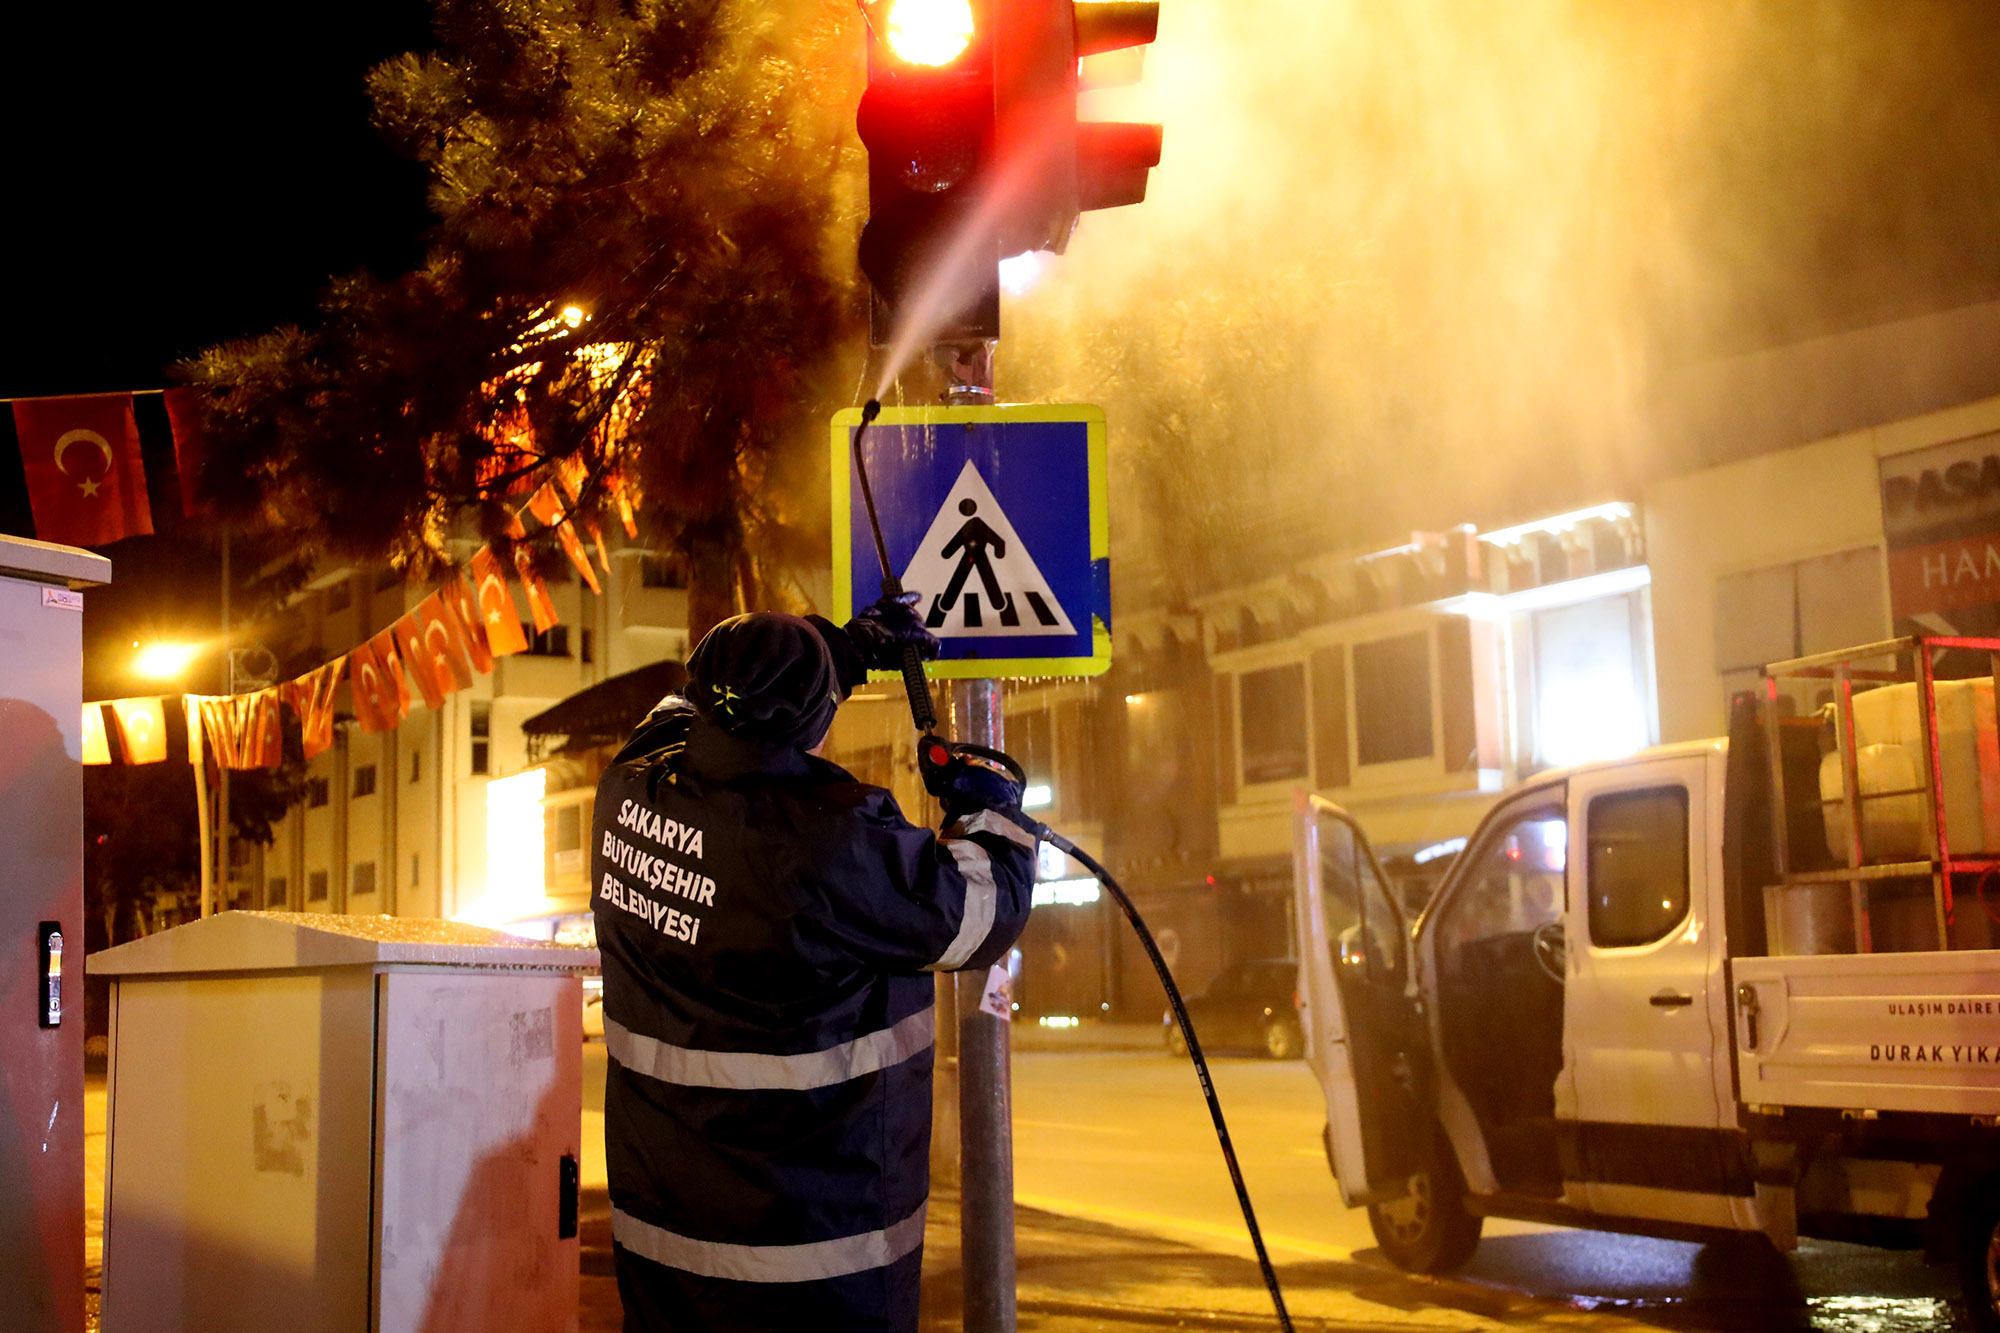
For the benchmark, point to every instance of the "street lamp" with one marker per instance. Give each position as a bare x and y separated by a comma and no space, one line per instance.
164,660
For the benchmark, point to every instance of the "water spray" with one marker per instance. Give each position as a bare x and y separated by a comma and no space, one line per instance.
935,752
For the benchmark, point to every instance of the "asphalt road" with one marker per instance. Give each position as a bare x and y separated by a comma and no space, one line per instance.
1124,1138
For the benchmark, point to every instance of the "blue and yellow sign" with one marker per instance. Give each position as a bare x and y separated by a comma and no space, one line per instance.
996,518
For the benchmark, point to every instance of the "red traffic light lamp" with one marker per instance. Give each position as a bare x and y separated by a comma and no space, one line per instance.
1051,165
927,120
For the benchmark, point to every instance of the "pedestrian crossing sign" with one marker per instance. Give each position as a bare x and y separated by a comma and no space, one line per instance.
995,517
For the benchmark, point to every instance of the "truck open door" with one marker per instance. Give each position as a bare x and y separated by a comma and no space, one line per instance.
1364,1040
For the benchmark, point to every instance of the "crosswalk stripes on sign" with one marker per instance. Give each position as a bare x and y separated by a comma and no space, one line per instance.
974,576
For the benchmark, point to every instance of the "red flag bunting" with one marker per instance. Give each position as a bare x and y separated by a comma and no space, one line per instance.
219,725
445,648
541,608
417,670
393,671
373,692
496,605
190,447
96,749
259,730
545,505
86,481
464,607
311,697
623,498
142,729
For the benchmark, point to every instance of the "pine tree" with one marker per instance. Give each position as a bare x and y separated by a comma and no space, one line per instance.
642,262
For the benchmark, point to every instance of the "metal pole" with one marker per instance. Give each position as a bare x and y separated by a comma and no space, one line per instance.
985,1081
222,768
985,1095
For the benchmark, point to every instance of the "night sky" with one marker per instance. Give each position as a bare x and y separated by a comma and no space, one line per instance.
180,175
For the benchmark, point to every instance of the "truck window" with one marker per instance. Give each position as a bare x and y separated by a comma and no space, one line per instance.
1637,866
1516,885
1354,896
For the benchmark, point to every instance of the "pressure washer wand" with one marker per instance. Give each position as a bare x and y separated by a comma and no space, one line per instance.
922,711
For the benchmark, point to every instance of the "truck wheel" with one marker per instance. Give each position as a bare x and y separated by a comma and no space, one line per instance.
1428,1230
1282,1038
1979,1257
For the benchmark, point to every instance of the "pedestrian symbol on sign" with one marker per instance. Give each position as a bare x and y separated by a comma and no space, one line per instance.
974,576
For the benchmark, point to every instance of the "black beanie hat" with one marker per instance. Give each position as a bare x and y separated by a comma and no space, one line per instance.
765,677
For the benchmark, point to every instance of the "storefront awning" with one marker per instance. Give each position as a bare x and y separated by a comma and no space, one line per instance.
604,714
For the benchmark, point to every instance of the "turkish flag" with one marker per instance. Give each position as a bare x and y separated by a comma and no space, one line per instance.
374,693
446,650
497,616
311,697
464,607
259,730
541,609
86,483
96,750
394,671
545,505
190,447
622,496
417,667
220,723
142,729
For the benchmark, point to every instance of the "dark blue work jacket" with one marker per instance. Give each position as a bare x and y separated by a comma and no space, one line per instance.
768,925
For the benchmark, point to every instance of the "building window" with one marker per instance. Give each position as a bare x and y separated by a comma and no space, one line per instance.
551,642
416,765
1638,867
339,596
1392,699
564,835
364,780
416,870
315,793
481,725
586,649
316,886
662,569
274,892
1589,696
363,879
1273,703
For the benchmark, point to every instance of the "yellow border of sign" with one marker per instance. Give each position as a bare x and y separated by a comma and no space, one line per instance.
984,668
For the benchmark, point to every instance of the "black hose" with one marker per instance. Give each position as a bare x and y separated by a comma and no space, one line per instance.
1200,1063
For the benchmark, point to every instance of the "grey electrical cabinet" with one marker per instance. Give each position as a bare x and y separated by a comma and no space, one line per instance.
339,1123
41,932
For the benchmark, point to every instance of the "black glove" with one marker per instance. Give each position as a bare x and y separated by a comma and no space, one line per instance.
884,629
967,778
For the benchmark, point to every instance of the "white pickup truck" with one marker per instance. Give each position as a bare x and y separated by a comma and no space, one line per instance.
1742,986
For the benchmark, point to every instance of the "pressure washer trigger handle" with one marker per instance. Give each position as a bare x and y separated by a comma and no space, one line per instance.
918,685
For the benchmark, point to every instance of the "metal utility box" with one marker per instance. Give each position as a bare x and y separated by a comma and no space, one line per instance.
338,1123
41,932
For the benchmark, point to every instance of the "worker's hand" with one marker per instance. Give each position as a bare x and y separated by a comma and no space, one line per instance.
884,629
967,778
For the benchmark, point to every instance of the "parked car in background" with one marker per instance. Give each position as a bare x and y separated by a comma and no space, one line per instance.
1249,1006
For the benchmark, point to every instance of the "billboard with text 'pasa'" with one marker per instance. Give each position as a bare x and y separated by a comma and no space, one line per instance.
1941,522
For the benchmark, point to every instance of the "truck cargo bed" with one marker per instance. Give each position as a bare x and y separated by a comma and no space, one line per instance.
1871,1032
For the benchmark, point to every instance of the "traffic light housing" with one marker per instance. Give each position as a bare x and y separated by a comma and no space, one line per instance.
927,121
975,152
1052,165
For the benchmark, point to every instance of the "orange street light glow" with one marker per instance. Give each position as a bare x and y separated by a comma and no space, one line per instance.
165,661
930,32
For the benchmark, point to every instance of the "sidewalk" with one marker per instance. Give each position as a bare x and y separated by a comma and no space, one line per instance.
1080,1277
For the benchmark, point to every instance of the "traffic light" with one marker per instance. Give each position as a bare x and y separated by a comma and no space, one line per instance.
927,120
975,152
1051,166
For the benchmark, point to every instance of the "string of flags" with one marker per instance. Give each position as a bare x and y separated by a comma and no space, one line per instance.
430,652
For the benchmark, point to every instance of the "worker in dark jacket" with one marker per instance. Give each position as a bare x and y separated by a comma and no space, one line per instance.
767,925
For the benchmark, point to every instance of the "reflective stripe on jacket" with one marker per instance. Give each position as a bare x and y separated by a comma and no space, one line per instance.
766,924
